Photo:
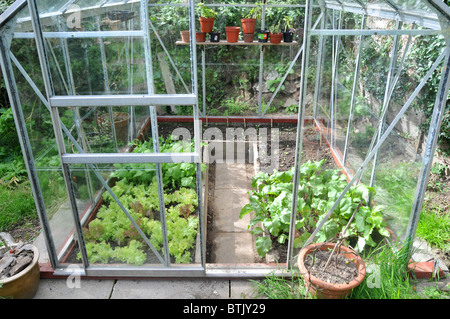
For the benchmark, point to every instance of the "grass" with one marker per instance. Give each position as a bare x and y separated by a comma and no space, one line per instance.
434,227
16,205
386,278
275,287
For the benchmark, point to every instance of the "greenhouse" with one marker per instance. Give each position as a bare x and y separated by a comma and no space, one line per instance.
153,154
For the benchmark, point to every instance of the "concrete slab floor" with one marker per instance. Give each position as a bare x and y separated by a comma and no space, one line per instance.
146,289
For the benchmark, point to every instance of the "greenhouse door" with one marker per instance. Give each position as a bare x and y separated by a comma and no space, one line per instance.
135,197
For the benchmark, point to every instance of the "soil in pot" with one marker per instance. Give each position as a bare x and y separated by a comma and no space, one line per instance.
185,36
339,271
248,37
232,34
200,36
276,37
214,36
248,25
263,35
345,270
206,24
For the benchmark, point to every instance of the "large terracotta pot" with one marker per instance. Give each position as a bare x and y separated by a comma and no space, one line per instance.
206,24
25,284
325,290
248,25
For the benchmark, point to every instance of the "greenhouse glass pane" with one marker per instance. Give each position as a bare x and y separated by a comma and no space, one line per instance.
414,5
92,129
88,3
50,6
109,234
115,67
43,145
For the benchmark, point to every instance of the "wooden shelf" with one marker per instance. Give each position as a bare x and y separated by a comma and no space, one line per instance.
224,42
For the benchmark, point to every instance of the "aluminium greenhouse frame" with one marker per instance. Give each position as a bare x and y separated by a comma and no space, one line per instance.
433,24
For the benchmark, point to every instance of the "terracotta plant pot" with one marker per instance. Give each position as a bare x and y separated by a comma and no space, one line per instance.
200,36
25,284
248,37
232,34
206,24
248,25
276,37
185,36
325,290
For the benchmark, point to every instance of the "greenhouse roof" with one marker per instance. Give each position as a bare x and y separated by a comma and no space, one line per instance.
427,13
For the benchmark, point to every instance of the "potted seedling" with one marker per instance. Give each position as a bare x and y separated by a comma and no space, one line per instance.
288,33
275,34
332,270
206,17
249,21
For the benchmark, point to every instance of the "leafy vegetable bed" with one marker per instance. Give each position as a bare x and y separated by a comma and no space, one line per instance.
271,197
111,237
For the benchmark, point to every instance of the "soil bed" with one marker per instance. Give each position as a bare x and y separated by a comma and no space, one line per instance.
338,271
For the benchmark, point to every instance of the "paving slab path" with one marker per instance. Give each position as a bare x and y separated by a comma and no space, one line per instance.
232,240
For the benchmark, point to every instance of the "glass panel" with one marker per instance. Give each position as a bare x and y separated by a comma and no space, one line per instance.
109,233
88,3
43,146
50,6
93,130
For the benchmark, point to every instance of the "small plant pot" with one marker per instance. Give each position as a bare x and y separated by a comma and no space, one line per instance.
200,36
263,36
248,25
276,37
25,284
249,37
288,36
232,34
206,24
214,36
325,290
185,36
